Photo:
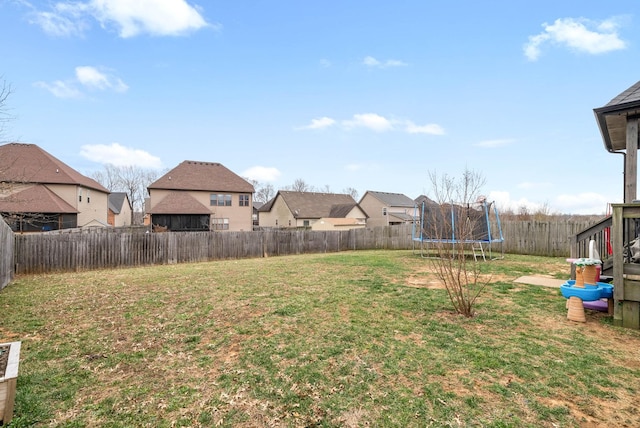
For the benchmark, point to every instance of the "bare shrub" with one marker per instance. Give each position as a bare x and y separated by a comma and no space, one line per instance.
452,223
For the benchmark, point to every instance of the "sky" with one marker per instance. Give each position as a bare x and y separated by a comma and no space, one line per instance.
370,95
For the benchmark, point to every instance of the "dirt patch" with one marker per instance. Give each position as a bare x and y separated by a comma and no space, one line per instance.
426,278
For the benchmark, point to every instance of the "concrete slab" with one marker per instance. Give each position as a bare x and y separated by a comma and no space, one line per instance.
541,280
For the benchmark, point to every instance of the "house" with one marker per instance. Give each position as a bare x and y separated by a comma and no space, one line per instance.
201,196
305,209
120,211
39,192
385,209
422,199
256,213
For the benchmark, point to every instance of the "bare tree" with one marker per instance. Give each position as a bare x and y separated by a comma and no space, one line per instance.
133,180
450,224
351,191
5,116
6,184
109,177
264,193
300,186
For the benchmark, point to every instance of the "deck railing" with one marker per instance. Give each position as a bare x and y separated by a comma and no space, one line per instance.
599,232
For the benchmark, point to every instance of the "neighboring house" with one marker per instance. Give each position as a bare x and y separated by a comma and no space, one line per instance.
318,211
422,199
385,209
332,223
256,213
201,196
120,210
39,192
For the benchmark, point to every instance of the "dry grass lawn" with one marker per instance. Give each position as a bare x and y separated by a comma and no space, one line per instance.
332,340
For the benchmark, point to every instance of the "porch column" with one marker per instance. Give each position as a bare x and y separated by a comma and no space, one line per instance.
631,161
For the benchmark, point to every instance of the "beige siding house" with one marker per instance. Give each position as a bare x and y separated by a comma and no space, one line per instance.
385,209
318,211
120,211
201,196
38,192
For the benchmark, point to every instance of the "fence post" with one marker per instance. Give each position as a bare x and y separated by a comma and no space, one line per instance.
7,248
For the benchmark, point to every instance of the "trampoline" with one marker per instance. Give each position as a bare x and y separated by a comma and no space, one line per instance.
474,224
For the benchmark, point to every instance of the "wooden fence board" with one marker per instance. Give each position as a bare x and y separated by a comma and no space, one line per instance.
6,254
75,251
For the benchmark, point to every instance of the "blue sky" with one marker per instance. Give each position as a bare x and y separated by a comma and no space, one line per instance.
371,95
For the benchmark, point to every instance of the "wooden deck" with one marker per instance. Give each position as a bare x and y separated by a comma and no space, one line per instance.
613,236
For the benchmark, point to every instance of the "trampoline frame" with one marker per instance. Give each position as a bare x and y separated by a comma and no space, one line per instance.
419,234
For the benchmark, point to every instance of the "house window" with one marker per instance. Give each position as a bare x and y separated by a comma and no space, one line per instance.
220,200
306,223
384,210
88,196
80,195
244,200
220,224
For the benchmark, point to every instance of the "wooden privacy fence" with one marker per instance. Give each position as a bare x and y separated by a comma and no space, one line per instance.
6,254
107,248
540,238
103,249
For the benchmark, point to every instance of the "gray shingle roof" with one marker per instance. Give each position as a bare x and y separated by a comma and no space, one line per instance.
612,118
314,205
116,201
424,199
631,94
28,163
203,176
392,199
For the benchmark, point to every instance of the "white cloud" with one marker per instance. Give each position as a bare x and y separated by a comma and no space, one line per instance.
579,34
88,77
377,123
354,167
319,123
156,17
495,143
431,128
129,18
60,89
92,78
325,63
262,173
370,61
118,155
504,202
62,22
372,121
582,203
